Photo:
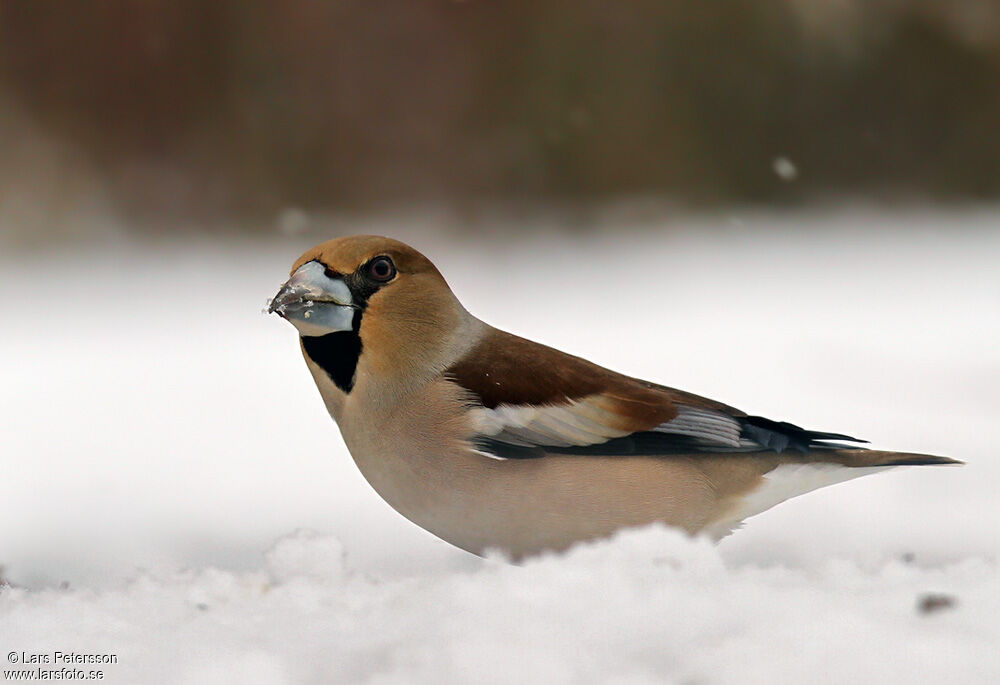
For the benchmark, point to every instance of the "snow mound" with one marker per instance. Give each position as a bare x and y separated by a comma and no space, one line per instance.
307,555
648,606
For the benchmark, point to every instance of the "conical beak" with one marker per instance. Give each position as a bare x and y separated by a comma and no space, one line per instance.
316,304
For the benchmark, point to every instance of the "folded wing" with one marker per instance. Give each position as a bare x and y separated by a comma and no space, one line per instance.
528,400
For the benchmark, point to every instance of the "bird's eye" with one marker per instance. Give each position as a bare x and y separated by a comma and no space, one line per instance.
381,269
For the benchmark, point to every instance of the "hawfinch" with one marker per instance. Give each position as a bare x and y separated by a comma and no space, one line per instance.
491,441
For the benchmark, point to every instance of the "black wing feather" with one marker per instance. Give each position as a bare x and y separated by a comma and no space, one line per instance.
767,435
781,435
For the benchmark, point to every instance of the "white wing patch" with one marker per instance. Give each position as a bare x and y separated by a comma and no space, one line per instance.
783,483
705,424
584,422
574,424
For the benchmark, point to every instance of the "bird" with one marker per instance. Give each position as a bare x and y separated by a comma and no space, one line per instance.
491,441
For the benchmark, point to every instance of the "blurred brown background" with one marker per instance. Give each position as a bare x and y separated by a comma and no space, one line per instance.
203,109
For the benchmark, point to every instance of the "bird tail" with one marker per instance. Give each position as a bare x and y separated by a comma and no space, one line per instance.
826,447
792,473
859,458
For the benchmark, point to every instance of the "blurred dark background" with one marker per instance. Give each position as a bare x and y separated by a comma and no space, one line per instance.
223,108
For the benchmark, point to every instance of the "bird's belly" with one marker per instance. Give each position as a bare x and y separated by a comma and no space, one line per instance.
524,507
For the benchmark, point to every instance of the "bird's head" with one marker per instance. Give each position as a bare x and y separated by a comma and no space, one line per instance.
372,293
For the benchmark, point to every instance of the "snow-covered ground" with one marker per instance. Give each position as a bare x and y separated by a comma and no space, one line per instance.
161,443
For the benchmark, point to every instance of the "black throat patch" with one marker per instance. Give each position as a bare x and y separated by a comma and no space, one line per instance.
337,353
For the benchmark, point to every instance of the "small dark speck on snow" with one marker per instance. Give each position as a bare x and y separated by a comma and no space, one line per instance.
931,603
